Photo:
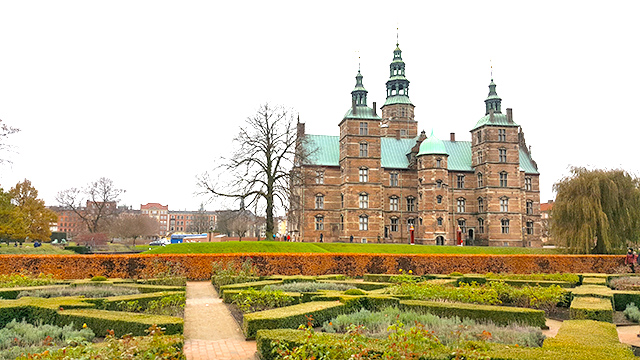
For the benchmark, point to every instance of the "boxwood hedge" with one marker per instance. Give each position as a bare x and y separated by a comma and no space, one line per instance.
591,308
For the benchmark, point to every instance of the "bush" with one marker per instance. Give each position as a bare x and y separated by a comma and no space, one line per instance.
625,283
354,292
23,280
449,331
251,300
121,323
624,298
632,313
17,338
167,281
310,287
556,277
233,273
291,317
86,291
99,278
591,308
499,315
248,285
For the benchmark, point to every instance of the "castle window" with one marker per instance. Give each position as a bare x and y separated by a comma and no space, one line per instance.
503,179
504,204
527,183
341,200
462,223
364,128
364,175
529,227
462,205
393,179
438,163
481,226
505,226
480,158
394,224
529,207
364,149
319,222
319,201
411,222
480,180
460,182
439,199
411,203
319,177
393,203
480,204
438,184
503,155
364,201
364,222
403,132
403,111
479,136
502,135
439,221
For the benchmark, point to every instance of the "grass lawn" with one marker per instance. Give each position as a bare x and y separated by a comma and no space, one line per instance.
28,248
294,247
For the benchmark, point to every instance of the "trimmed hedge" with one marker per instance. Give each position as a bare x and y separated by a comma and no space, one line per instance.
120,322
499,315
228,295
111,303
470,279
593,290
145,289
364,285
622,298
591,308
172,281
248,285
12,293
199,266
291,317
594,281
391,278
542,283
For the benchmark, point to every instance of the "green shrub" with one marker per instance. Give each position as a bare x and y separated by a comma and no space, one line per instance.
22,280
121,323
78,249
167,281
591,308
499,315
86,291
233,273
251,300
594,281
248,285
556,277
448,330
455,273
291,317
309,286
364,285
471,279
623,298
99,278
464,293
632,313
17,338
354,292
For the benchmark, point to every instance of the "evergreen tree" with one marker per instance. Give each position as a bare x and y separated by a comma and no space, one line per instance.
596,211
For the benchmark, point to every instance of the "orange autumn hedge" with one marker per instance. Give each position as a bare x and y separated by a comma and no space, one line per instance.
198,266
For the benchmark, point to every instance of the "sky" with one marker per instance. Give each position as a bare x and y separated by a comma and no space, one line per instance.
151,93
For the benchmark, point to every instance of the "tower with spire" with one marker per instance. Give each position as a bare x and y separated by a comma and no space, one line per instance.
398,111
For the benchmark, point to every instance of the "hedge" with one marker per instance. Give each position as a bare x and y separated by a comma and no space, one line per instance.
198,266
291,317
622,298
542,283
591,308
499,315
152,288
364,285
120,322
593,291
248,285
594,281
111,303
228,295
392,278
12,293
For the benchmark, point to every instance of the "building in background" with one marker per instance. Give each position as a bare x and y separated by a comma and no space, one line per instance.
158,212
545,222
380,179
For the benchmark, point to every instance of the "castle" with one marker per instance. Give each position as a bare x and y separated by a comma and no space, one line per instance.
381,181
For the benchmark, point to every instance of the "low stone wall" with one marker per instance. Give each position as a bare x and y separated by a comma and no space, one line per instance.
198,266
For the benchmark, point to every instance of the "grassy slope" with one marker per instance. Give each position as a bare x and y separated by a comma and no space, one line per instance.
29,249
290,247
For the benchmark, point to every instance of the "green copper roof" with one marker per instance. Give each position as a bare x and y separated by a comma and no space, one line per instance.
498,120
359,85
362,112
432,145
325,151
397,99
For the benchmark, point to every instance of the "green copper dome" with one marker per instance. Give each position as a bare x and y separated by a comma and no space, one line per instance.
432,145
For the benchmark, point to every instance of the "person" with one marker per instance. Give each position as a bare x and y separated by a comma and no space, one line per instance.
351,238
630,260
288,238
321,237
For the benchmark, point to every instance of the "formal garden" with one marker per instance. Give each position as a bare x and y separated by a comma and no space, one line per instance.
331,306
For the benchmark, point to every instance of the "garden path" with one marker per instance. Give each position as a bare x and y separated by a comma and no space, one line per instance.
209,329
629,334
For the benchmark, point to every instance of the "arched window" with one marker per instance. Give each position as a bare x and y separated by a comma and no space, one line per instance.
505,226
364,222
319,222
319,201
503,179
438,184
341,222
393,203
529,207
439,220
504,204
341,200
364,201
480,180
480,205
439,199
438,163
462,205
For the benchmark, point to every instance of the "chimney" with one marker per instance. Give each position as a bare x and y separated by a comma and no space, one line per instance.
353,106
300,128
490,115
453,136
509,115
374,108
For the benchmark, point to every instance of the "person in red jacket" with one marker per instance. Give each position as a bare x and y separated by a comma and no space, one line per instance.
630,260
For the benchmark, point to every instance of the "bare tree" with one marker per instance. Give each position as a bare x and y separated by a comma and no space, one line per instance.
200,222
260,165
5,131
100,199
132,226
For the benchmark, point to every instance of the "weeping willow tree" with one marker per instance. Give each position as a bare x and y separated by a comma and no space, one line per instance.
596,211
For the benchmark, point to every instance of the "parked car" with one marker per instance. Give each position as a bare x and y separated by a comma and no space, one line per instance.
159,242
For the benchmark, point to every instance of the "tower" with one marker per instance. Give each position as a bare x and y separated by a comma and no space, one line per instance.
433,191
398,111
360,172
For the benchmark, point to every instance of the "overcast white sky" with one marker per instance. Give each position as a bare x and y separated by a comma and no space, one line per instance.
150,93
